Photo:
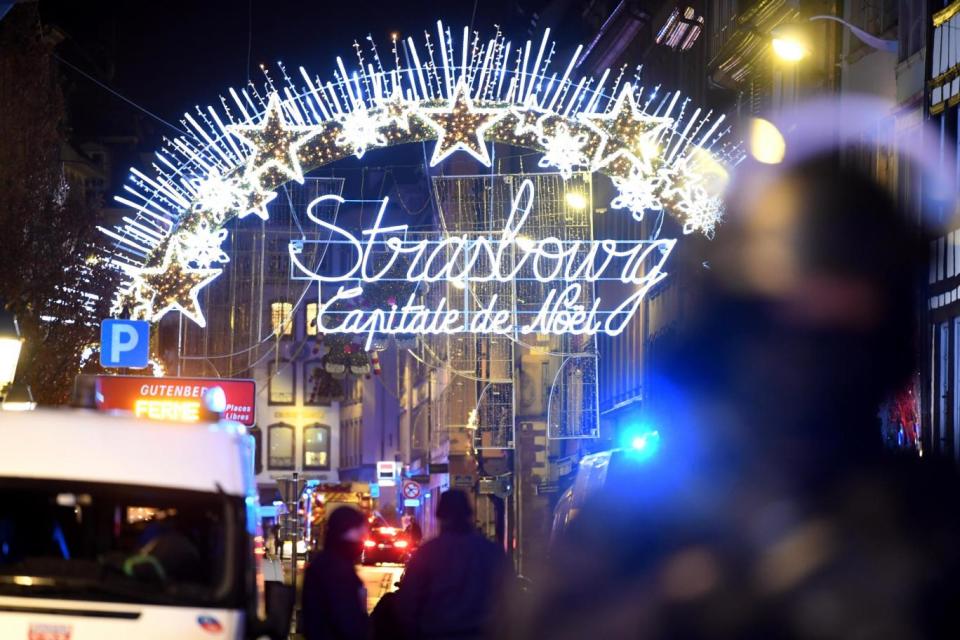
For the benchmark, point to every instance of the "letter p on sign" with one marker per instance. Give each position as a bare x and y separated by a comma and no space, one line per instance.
125,343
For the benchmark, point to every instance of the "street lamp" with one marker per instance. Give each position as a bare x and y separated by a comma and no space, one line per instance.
10,344
18,398
790,44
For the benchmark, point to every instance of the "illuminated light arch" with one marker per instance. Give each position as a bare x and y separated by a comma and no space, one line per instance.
661,154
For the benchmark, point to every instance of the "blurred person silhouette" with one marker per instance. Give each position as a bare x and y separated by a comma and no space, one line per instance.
450,584
772,509
334,599
411,528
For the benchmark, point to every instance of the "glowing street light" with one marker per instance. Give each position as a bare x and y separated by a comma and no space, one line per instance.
10,344
576,200
789,49
18,398
789,41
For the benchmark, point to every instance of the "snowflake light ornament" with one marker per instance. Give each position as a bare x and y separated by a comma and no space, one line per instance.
216,195
202,246
563,150
637,193
360,130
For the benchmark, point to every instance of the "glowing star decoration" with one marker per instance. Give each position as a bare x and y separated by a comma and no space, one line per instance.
396,110
460,126
563,150
636,192
626,132
171,287
202,246
255,200
274,142
360,130
528,117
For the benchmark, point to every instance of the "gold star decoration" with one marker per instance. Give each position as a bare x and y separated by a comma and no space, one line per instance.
255,200
396,110
528,116
171,287
274,142
460,126
626,132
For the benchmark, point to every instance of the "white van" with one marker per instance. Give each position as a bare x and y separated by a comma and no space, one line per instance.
115,528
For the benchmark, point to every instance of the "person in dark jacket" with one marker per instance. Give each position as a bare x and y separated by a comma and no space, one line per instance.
334,600
452,581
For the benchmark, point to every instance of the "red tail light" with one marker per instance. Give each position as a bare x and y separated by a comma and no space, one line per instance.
401,544
369,543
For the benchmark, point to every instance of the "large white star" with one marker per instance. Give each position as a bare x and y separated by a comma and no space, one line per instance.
626,132
460,126
274,142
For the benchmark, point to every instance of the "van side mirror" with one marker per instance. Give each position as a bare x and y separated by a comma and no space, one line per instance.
280,599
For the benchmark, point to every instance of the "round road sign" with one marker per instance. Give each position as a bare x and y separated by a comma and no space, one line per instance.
411,489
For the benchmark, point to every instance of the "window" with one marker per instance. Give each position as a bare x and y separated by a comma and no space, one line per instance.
316,387
281,442
257,436
283,382
73,534
311,323
316,446
281,318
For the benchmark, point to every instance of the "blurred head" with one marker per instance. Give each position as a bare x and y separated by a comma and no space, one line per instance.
346,528
454,511
806,318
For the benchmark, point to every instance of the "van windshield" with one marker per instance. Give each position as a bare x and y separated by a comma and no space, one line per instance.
62,539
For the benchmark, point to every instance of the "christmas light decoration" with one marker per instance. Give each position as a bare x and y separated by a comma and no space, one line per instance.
635,192
626,132
216,195
527,116
396,110
275,143
460,126
202,246
565,268
463,96
563,150
255,200
170,286
360,130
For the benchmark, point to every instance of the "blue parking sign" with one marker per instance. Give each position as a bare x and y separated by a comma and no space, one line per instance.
125,343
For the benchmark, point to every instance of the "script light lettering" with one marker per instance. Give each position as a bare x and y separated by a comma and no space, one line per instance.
568,269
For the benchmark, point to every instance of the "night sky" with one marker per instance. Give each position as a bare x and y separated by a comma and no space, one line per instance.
169,56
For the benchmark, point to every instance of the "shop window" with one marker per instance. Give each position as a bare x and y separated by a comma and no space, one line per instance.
281,318
311,308
282,387
281,440
319,389
316,447
257,434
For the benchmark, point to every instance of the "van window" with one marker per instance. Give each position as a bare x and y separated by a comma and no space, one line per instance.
94,541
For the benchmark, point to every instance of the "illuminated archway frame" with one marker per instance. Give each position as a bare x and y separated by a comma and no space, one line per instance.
660,156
